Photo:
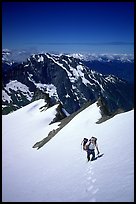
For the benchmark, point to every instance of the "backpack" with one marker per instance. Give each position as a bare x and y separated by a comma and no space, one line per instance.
85,140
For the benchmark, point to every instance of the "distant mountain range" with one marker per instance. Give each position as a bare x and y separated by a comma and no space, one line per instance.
104,57
22,55
64,78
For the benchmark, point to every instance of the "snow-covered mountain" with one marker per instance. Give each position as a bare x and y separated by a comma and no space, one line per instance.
59,171
120,65
65,79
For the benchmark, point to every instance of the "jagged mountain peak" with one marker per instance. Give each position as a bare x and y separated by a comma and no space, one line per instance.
65,79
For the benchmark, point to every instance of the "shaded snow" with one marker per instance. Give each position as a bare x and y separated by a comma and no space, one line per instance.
59,171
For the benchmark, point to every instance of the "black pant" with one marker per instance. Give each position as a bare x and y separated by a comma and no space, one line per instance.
89,152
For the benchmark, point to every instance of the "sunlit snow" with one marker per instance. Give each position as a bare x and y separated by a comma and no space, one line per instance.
59,171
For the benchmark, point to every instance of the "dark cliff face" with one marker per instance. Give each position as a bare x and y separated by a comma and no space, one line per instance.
65,79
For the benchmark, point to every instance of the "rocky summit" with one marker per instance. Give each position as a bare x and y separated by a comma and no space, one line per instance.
61,78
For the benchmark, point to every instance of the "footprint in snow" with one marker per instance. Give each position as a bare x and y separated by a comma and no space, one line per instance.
93,180
89,178
91,187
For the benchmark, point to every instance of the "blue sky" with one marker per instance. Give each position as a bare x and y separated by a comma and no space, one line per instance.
100,27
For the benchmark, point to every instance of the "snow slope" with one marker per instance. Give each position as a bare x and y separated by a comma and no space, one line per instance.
59,171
